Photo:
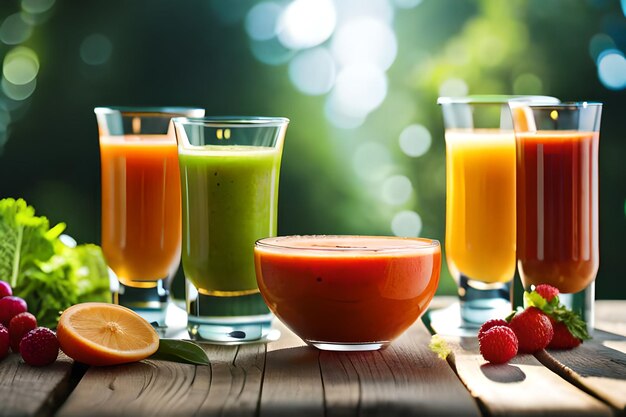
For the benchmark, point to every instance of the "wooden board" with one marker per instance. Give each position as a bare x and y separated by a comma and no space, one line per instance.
229,386
32,391
523,387
292,384
611,316
597,366
404,379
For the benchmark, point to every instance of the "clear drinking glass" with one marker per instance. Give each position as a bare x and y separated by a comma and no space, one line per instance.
229,174
480,202
141,217
557,199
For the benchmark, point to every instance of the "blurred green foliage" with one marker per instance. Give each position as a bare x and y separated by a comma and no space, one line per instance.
159,52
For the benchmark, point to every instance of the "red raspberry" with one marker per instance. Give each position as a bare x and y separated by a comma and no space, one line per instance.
498,344
5,289
491,323
4,341
39,347
547,291
562,338
18,327
10,307
533,330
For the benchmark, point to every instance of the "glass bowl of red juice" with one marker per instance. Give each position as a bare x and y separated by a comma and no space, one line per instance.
347,293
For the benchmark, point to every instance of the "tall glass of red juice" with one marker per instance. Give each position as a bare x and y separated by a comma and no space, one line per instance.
141,208
557,199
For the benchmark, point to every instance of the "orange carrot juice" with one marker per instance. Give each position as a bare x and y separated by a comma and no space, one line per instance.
480,204
347,289
141,214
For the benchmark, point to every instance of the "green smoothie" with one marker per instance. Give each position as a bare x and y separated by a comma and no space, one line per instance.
230,199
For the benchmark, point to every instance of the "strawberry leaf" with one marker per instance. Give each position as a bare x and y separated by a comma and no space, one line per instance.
534,299
510,316
574,323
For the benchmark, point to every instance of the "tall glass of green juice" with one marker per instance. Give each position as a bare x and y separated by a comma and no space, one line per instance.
229,170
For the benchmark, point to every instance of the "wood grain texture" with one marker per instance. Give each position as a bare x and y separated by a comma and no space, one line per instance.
292,383
405,379
598,366
32,391
523,387
229,386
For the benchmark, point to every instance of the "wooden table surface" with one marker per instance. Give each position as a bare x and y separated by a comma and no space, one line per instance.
286,377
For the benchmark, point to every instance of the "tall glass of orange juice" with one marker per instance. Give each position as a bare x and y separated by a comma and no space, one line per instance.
480,236
141,203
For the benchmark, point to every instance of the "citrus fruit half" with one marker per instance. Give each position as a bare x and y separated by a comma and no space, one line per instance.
103,334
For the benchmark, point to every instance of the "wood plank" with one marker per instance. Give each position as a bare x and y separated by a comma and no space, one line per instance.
292,384
236,376
146,387
611,316
598,366
405,379
229,386
32,391
523,387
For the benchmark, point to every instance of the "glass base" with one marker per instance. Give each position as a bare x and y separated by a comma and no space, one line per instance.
149,303
236,319
482,301
347,347
582,303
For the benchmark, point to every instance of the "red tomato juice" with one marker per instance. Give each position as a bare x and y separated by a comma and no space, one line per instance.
557,208
348,289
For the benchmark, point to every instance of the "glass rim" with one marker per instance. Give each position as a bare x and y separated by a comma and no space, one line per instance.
275,243
496,99
146,110
232,121
566,105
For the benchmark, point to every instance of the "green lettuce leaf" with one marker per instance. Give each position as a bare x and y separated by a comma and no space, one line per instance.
46,273
24,239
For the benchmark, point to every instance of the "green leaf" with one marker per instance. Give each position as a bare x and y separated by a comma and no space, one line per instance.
574,323
41,269
533,299
439,346
23,239
182,351
511,315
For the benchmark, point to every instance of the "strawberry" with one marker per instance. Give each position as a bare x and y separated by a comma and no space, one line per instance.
18,327
498,344
562,338
5,289
39,347
572,329
489,324
4,341
533,330
547,291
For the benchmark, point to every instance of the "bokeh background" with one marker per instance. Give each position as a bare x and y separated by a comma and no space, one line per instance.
359,80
